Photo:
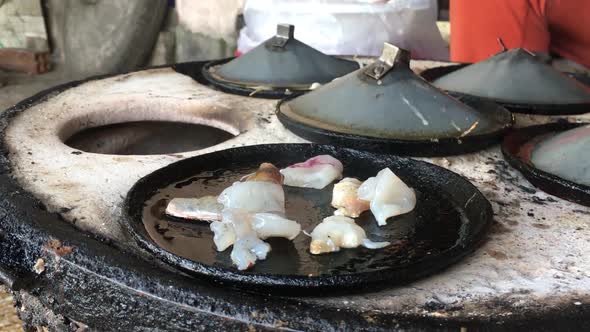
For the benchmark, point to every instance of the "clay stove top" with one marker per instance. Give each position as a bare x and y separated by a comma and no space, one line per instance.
533,268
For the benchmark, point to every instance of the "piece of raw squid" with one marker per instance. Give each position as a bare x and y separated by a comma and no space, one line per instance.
265,225
257,192
268,225
253,211
388,194
252,196
337,232
345,198
248,247
246,232
204,208
316,172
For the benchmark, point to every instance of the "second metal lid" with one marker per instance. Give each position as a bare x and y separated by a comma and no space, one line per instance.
282,62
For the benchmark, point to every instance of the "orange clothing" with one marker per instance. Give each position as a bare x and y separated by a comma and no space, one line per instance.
561,27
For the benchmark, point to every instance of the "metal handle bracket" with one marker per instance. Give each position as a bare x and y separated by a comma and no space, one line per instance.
390,56
285,32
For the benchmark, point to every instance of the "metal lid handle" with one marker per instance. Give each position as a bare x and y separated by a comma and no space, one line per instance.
285,32
390,56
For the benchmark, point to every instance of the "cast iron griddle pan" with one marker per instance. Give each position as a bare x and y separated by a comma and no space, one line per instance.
432,74
517,149
448,222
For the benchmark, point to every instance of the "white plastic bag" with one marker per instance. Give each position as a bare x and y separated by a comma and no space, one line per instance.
348,27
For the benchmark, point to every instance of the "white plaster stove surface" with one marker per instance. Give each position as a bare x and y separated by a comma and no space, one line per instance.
535,258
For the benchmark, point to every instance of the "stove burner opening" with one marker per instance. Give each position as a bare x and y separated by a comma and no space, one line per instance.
147,138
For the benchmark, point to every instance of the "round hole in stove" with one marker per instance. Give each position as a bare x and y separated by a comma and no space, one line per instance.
146,138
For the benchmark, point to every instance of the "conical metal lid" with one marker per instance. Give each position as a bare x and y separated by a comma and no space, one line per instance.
283,62
387,100
566,155
516,76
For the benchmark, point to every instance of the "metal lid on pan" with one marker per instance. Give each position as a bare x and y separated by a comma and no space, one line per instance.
536,153
565,154
434,73
281,62
518,77
386,100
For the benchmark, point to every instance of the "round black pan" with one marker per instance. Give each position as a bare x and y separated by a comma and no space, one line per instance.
448,222
517,148
417,148
242,90
541,109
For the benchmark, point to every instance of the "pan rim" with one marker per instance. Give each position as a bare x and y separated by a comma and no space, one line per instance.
547,182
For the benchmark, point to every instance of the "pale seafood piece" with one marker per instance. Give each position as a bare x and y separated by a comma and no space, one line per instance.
204,208
247,250
257,192
266,172
316,172
271,225
245,231
254,196
366,190
337,232
247,247
224,235
264,224
209,207
345,199
388,194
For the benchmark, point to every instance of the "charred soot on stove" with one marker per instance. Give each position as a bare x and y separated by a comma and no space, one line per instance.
147,138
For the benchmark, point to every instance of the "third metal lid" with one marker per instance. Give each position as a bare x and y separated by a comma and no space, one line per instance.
521,81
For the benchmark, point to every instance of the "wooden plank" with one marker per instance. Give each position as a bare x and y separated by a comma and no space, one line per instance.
24,61
9,321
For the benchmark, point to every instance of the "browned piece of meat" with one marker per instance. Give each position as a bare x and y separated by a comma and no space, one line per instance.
267,172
